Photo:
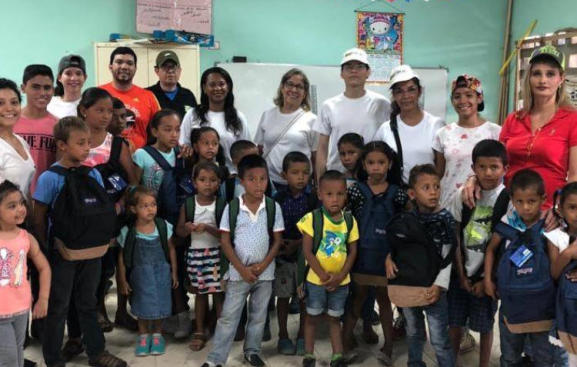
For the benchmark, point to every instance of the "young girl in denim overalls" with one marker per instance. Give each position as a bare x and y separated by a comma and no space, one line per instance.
147,269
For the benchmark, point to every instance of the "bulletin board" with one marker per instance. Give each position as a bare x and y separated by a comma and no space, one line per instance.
565,42
193,16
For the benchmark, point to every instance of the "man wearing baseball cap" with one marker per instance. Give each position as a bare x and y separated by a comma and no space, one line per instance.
168,92
356,110
140,101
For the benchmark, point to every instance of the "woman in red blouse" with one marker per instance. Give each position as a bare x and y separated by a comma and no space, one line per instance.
542,135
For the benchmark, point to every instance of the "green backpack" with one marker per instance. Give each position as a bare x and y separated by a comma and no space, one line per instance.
130,243
318,227
190,208
233,209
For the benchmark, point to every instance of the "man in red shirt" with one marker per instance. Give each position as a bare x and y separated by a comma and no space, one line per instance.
140,101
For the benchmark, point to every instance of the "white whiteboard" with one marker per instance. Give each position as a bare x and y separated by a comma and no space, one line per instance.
255,86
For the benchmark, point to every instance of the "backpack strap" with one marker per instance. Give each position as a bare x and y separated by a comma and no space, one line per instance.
158,158
163,235
116,149
233,209
500,208
394,125
229,186
318,225
59,170
189,208
219,206
128,248
365,190
270,206
348,217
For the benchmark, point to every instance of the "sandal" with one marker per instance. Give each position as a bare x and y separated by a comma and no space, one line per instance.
105,324
72,348
106,359
198,342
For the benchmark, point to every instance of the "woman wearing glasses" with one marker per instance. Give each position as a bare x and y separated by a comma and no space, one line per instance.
288,126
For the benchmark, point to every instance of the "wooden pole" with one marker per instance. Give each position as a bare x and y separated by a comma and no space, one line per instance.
504,77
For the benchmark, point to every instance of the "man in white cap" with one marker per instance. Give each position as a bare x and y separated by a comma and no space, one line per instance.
356,110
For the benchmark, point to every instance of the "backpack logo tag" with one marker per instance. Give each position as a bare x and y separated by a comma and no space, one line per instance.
521,256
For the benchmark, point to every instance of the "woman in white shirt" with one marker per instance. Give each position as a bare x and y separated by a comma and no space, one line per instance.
409,125
288,126
216,109
16,164
71,78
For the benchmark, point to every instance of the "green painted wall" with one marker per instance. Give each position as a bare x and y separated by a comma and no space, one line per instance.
463,35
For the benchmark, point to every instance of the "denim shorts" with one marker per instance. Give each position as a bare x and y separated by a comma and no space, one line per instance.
319,300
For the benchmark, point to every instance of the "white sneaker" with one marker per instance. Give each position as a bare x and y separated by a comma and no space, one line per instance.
184,326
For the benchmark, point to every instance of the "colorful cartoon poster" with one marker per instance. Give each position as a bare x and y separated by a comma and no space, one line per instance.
381,35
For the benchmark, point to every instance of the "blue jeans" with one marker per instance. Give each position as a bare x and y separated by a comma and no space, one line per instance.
543,353
234,300
438,321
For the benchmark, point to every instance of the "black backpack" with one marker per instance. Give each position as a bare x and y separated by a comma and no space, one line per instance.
413,252
112,172
83,216
176,185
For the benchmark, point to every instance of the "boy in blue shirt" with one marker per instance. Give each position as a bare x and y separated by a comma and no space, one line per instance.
70,278
295,202
251,251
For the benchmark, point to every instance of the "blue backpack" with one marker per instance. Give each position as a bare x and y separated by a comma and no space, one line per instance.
566,313
373,246
176,185
527,291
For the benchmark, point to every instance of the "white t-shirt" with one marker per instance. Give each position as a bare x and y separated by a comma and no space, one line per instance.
14,168
477,232
204,214
416,141
456,143
60,108
299,137
217,122
340,115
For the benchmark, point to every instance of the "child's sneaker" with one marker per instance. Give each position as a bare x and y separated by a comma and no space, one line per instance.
309,361
338,361
285,346
143,346
158,345
300,347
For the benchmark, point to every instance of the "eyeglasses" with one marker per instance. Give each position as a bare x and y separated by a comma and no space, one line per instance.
291,85
355,66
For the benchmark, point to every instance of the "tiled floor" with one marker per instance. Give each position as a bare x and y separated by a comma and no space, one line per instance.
121,343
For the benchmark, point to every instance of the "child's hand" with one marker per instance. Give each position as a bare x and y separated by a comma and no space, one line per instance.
334,282
40,309
185,151
433,293
572,250
490,288
324,277
124,287
301,292
465,284
190,227
391,268
572,275
247,274
200,227
257,269
174,280
478,289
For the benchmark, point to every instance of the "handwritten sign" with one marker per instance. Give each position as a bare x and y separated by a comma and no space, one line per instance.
181,15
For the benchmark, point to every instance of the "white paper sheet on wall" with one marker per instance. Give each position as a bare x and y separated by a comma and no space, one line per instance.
181,15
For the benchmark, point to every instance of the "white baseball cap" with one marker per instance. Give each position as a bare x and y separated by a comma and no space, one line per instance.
402,73
355,54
